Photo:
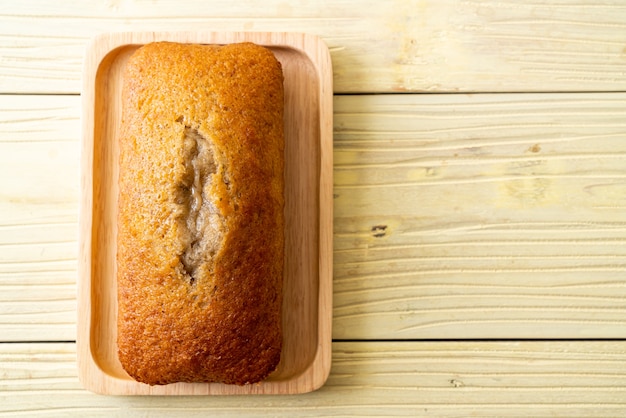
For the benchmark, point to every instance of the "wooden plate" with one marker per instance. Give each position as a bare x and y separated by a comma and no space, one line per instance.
307,307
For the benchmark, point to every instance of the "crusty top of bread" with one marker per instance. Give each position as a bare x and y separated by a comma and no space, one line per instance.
200,220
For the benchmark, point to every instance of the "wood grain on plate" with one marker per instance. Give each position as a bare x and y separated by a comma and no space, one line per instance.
307,308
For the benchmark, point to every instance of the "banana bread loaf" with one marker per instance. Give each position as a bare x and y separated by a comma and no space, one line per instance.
200,214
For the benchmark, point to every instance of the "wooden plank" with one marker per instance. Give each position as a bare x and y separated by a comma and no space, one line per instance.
39,159
398,45
457,379
517,227
480,216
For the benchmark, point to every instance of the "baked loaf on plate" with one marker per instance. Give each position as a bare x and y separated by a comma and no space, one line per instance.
200,216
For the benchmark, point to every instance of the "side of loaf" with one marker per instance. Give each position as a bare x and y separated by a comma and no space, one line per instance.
200,214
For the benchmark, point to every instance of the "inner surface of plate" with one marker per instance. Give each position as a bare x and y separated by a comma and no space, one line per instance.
302,173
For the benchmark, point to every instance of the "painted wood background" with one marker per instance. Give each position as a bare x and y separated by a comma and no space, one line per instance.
480,236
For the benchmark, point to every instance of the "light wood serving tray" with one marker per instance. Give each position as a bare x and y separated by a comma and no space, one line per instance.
307,307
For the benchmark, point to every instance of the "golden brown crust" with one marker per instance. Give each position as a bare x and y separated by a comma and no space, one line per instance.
212,317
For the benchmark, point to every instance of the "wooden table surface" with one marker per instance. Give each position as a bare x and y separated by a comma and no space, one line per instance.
479,204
